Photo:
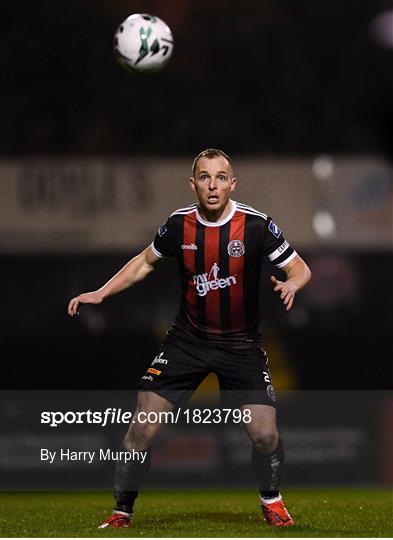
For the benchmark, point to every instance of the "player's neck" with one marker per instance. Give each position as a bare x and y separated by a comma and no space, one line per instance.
216,215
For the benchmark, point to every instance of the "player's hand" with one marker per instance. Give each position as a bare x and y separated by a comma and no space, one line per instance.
94,297
287,291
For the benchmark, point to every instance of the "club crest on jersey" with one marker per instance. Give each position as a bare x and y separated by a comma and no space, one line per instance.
209,281
163,229
236,248
274,229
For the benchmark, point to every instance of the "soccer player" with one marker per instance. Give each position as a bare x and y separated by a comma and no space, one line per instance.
220,245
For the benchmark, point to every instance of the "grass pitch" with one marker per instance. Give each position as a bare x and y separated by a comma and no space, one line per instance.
327,513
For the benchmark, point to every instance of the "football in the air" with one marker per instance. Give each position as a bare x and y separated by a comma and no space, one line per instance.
143,43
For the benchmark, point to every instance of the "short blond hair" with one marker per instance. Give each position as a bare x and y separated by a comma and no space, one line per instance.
209,153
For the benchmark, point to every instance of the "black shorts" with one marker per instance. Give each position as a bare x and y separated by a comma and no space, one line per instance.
184,360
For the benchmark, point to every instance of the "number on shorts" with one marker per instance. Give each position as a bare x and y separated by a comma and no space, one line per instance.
266,377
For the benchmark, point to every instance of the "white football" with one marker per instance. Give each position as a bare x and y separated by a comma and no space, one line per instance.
143,42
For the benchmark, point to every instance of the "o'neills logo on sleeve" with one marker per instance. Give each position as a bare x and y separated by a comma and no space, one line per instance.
210,281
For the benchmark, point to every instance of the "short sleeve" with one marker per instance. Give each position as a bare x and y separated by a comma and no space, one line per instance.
275,247
163,244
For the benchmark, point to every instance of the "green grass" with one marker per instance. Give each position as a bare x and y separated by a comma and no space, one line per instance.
322,513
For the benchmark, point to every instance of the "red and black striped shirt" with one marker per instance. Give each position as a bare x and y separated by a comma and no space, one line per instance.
220,268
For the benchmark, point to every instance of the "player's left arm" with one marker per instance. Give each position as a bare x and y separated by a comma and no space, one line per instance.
298,275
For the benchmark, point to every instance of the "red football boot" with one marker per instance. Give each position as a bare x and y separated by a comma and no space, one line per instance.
117,520
276,514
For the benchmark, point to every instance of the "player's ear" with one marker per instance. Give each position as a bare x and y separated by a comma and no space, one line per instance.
233,184
192,183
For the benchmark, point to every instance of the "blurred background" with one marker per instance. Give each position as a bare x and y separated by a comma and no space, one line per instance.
300,94
93,160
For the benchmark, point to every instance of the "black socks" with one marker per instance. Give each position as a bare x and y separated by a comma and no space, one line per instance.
128,478
268,469
130,475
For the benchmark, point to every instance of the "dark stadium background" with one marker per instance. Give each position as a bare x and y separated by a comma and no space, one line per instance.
269,78
258,79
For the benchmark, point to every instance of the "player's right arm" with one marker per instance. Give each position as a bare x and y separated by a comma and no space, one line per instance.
135,270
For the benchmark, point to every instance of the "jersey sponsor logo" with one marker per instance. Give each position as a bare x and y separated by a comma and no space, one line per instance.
274,229
210,281
163,229
236,248
159,359
154,371
147,378
189,246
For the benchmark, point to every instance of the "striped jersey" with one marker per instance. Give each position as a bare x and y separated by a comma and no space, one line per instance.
220,266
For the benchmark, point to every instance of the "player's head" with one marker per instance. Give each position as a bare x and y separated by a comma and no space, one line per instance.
212,179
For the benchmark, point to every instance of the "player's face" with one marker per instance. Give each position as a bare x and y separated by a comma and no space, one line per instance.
213,183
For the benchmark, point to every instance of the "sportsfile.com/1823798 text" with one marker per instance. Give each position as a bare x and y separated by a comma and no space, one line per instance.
113,415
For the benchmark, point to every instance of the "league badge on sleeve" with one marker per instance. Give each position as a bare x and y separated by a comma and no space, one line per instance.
163,229
274,229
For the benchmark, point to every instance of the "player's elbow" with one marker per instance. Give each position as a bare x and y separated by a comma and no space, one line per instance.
307,273
143,271
303,270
